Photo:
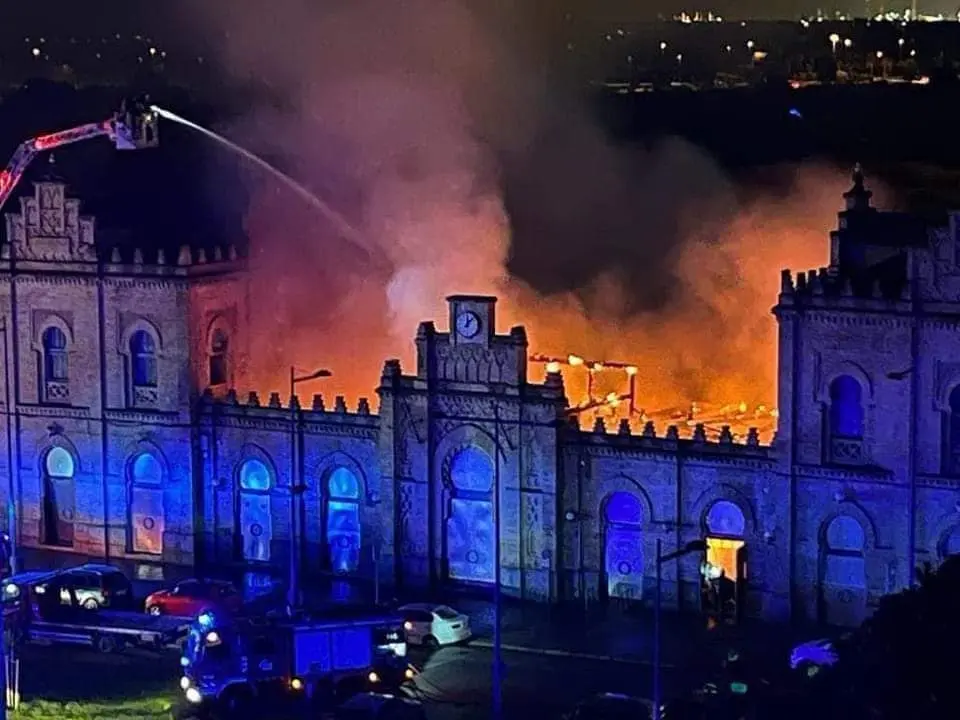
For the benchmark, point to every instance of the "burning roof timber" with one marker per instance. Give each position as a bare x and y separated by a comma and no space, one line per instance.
735,423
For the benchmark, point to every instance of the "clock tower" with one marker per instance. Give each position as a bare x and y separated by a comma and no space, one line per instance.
472,319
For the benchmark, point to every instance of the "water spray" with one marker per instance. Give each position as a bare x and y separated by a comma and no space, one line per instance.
343,227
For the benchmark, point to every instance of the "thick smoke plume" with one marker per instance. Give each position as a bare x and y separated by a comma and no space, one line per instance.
412,117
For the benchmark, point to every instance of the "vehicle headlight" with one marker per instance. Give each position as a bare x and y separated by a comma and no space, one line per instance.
408,626
296,684
409,673
373,677
213,638
194,696
184,682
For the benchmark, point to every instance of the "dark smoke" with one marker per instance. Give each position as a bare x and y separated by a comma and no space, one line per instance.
448,137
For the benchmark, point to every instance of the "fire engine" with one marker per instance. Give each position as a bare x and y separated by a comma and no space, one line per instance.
239,661
133,127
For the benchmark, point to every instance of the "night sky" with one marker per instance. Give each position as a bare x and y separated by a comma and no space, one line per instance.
81,16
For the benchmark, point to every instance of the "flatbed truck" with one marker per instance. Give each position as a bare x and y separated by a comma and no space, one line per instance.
39,609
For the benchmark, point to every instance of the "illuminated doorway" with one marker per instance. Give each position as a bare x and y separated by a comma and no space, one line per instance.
725,567
723,554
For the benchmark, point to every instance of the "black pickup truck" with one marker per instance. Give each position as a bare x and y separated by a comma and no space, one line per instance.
41,607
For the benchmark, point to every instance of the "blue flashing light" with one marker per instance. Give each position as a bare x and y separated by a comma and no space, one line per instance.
796,113
205,619
184,662
738,688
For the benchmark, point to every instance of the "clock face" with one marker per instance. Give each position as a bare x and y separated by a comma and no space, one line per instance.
468,324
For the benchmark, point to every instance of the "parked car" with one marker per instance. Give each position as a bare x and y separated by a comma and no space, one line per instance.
95,586
612,706
193,597
376,706
434,625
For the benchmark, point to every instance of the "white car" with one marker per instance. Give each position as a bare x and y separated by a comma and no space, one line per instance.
815,653
434,625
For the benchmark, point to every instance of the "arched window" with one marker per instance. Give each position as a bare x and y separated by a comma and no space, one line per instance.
256,523
951,451
55,364
845,545
219,348
143,359
845,421
843,588
58,498
951,543
846,408
343,520
146,514
623,546
56,368
471,532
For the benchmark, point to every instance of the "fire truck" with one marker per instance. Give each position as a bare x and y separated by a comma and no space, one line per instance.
242,662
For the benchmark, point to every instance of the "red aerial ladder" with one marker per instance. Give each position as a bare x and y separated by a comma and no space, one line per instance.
133,127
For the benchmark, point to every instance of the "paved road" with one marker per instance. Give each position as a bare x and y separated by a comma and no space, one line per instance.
457,682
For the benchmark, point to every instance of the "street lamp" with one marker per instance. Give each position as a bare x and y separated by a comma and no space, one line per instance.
834,40
296,487
691,547
847,43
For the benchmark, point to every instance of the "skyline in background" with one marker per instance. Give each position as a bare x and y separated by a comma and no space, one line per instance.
91,16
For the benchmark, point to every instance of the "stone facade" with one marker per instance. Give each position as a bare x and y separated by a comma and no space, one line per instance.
123,440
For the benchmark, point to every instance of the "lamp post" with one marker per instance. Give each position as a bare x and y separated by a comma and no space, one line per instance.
296,487
690,547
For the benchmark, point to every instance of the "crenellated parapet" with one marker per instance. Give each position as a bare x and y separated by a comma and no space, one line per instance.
275,412
698,439
829,288
189,261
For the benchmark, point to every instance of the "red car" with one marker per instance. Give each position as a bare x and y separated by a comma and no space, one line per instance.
190,598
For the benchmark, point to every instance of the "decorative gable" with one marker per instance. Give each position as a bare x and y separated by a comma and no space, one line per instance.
49,228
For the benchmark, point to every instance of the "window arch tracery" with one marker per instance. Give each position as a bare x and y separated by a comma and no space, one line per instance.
343,530
58,497
255,480
471,519
146,516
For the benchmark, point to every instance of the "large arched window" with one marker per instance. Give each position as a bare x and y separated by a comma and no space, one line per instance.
146,515
219,354
58,497
471,531
256,525
951,450
143,360
343,520
844,574
846,420
845,543
623,546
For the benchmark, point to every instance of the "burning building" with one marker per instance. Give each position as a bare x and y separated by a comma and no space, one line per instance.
124,440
